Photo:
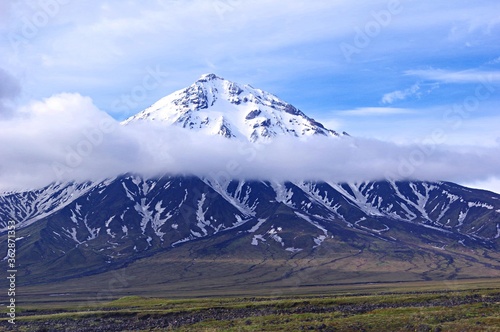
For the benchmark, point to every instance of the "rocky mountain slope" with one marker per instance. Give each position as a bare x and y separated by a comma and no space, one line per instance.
84,229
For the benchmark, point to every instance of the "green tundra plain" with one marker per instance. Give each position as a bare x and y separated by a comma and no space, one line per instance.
465,305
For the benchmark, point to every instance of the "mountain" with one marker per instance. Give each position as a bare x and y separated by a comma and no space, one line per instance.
213,105
229,233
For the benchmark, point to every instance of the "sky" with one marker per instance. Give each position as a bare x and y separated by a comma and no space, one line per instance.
400,76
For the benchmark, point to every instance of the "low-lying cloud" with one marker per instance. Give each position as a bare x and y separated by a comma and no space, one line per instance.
66,137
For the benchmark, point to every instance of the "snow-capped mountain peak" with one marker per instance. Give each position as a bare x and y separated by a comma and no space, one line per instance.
216,106
209,77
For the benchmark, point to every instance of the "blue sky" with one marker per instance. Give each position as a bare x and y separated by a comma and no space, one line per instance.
396,70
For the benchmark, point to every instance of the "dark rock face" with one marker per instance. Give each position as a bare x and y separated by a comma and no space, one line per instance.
253,114
292,110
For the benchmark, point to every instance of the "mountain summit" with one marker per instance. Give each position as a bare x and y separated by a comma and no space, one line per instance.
216,106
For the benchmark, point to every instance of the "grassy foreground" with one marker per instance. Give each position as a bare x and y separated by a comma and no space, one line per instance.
466,308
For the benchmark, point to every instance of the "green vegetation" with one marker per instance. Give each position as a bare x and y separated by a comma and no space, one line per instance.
469,306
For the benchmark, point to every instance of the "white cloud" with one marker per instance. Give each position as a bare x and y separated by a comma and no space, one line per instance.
494,61
374,111
465,76
459,128
103,49
391,97
66,137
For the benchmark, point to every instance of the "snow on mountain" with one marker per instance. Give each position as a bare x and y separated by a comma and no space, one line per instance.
216,106
92,226
29,206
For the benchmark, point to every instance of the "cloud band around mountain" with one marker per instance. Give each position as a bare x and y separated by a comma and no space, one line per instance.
66,137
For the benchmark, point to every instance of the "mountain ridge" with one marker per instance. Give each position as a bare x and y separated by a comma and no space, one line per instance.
87,228
217,106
